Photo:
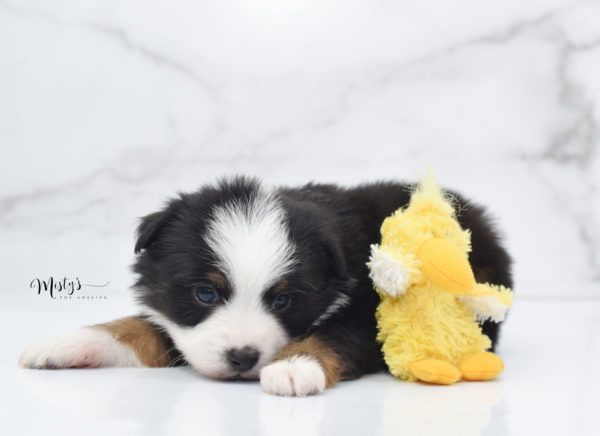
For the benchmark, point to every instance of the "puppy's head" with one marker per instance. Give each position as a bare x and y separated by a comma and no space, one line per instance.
234,271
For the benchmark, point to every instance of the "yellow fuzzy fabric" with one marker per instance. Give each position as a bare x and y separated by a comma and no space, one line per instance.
426,323
429,320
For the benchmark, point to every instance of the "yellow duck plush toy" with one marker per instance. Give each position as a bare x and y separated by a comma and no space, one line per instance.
430,302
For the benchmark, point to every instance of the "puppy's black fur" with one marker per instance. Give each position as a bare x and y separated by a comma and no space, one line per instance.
332,229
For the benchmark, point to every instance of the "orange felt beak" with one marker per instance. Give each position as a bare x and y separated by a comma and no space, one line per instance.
446,266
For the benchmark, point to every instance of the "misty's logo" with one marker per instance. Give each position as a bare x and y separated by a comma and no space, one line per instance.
62,288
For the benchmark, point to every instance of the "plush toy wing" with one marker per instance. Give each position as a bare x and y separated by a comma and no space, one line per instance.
488,301
392,271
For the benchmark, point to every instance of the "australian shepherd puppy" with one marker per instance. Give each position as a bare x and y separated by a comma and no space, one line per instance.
242,281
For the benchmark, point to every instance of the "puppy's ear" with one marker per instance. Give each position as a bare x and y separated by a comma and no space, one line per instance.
341,283
335,253
150,227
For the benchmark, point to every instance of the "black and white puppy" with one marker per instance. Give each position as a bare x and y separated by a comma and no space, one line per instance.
242,281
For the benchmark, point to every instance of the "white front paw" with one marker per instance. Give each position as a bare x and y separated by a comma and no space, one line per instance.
84,348
294,376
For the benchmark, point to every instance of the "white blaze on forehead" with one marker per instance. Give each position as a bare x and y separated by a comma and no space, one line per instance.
251,243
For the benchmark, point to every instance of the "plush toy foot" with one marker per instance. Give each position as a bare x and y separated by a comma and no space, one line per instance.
481,366
435,371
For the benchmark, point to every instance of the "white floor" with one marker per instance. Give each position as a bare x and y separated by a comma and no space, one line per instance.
550,386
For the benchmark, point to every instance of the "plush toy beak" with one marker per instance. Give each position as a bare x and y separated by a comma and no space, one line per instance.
446,266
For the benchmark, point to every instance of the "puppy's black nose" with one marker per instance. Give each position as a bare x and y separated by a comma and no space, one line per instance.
242,359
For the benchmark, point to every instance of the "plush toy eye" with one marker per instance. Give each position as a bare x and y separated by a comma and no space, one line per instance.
206,295
281,302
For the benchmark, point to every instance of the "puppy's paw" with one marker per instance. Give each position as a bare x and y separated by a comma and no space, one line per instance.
294,376
87,347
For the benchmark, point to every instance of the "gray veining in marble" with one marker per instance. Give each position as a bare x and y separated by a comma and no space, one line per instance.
107,109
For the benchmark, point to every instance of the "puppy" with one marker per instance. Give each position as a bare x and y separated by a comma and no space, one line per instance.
242,281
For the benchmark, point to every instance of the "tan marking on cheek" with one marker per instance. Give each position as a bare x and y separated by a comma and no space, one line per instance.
280,286
314,347
217,279
142,337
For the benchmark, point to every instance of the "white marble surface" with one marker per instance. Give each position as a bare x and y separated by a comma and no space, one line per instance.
108,107
550,387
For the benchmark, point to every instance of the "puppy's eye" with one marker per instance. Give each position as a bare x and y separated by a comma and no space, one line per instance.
281,302
206,295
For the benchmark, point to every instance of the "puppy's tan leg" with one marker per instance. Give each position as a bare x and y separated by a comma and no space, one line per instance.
126,342
303,367
150,345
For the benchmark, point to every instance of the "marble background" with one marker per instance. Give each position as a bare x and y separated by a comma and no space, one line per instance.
108,107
